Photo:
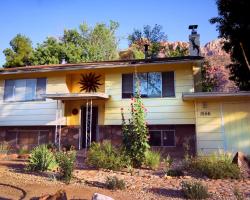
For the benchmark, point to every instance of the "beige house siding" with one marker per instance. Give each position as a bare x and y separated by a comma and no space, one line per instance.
159,110
223,125
32,112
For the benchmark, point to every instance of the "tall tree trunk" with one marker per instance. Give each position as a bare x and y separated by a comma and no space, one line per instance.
244,54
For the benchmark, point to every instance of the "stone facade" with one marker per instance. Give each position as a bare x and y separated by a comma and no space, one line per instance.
184,138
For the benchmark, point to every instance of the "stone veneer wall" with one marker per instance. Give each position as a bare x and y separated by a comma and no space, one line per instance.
184,134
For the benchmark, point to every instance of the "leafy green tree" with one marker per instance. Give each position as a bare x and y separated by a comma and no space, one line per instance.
20,53
80,45
175,52
135,132
49,52
154,37
233,25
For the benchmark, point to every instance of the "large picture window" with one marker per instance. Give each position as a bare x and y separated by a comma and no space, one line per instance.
152,84
24,89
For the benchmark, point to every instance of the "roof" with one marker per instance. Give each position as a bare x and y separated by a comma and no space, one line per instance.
76,96
190,96
100,64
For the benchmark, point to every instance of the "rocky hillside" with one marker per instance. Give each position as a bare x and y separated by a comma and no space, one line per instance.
213,52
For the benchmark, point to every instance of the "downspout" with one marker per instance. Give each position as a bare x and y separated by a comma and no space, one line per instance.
60,125
223,127
56,121
196,133
80,128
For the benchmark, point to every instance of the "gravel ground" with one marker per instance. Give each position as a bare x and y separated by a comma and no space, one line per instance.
15,183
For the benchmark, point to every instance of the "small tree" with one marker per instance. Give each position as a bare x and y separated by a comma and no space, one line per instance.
135,132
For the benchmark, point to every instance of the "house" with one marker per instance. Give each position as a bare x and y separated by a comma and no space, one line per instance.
44,104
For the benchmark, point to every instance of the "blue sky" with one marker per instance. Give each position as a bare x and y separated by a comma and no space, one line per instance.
38,19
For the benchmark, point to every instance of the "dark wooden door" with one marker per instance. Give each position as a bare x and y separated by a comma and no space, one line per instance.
94,125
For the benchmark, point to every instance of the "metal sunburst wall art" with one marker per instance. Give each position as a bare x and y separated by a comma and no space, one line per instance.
90,82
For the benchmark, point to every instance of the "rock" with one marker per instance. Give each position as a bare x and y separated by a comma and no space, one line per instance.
2,156
98,196
241,160
13,156
24,156
59,195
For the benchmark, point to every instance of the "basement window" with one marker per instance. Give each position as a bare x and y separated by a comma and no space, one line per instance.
162,138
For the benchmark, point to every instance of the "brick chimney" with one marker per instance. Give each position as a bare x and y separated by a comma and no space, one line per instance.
194,41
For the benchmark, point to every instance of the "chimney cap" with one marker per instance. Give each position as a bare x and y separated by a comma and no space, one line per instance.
193,27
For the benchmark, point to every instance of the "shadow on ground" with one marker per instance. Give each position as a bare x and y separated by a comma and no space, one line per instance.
166,192
15,188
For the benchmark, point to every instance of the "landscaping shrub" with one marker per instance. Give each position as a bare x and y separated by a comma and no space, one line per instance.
113,183
175,172
194,190
152,159
135,131
238,194
23,151
41,159
168,161
216,166
106,156
66,161
4,147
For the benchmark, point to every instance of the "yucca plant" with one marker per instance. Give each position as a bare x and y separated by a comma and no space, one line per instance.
41,159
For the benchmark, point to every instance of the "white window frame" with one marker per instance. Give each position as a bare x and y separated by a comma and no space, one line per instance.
26,100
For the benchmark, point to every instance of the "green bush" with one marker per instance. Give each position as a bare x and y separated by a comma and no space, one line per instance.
152,159
194,190
41,159
113,183
23,151
66,161
4,147
106,156
216,166
168,161
175,172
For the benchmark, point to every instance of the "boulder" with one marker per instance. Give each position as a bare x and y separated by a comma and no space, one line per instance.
241,160
59,195
97,196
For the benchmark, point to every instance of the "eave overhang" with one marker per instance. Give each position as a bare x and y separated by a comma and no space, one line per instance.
191,96
76,96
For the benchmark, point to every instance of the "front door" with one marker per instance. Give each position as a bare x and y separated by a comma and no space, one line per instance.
94,125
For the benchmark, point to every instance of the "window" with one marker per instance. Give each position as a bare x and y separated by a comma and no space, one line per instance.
152,84
24,89
162,138
27,137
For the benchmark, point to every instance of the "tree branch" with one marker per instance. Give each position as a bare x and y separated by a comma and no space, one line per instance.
244,54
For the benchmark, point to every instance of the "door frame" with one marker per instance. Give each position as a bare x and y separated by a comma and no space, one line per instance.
95,117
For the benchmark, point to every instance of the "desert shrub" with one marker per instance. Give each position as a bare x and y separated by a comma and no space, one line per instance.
41,159
168,161
175,172
238,194
66,161
113,183
216,166
194,190
152,159
4,147
135,131
23,151
106,156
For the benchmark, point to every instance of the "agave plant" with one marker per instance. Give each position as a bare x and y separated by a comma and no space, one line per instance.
90,82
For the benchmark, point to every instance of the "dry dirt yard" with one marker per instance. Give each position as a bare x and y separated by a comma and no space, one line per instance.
15,183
